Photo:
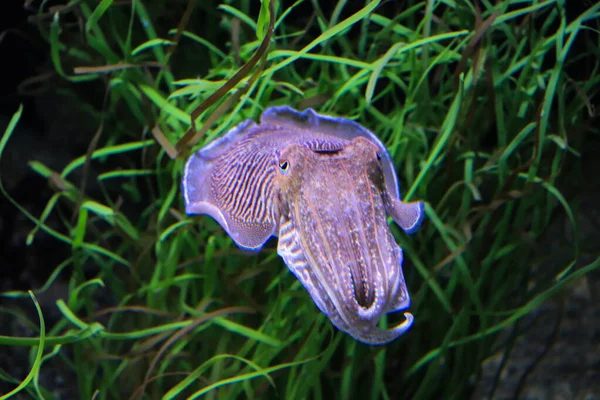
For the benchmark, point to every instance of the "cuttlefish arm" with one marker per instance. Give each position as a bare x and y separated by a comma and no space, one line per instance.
334,237
356,325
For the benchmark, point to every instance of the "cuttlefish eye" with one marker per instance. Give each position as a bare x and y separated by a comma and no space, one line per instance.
284,167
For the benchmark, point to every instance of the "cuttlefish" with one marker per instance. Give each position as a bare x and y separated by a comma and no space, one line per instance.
325,187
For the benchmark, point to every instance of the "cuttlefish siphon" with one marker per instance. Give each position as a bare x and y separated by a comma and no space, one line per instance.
324,186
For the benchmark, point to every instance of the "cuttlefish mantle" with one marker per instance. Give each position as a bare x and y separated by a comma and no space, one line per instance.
325,187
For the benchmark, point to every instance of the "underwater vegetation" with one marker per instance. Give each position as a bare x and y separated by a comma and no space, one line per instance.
471,121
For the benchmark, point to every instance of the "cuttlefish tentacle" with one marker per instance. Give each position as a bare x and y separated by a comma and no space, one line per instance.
324,185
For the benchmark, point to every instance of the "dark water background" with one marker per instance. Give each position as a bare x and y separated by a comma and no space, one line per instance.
558,356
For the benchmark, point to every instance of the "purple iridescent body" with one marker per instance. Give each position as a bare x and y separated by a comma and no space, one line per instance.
324,186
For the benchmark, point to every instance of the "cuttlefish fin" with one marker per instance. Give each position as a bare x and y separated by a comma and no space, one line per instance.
409,216
211,186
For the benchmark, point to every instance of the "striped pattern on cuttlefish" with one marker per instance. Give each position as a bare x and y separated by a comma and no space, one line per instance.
324,186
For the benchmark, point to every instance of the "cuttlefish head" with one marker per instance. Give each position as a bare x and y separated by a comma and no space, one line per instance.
334,236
